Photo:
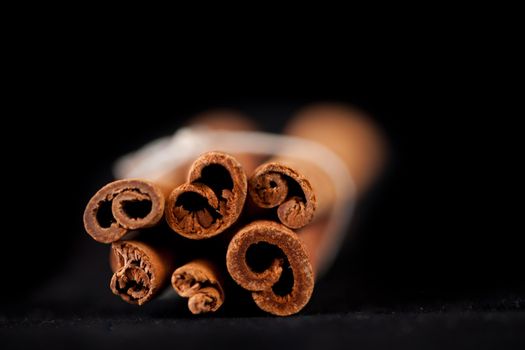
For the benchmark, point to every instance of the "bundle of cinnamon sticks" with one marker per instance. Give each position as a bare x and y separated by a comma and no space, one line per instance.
220,202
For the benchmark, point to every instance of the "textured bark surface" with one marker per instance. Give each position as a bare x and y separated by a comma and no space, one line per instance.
277,184
263,281
201,282
212,199
141,270
122,206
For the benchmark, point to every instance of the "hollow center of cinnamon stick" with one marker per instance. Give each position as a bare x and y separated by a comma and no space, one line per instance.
134,282
285,283
294,189
216,177
104,214
194,202
137,209
260,256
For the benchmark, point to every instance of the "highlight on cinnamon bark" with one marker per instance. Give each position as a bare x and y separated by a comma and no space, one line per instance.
269,259
276,184
212,199
140,271
200,282
122,206
348,132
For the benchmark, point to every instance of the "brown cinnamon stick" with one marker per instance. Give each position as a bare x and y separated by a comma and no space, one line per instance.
201,282
212,199
141,270
284,254
281,185
122,206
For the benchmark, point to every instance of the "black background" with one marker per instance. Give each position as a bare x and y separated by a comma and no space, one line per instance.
431,259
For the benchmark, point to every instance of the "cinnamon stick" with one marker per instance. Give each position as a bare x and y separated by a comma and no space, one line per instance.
122,206
279,184
212,199
141,270
262,278
201,282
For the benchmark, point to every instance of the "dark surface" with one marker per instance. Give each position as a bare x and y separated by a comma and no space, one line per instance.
430,261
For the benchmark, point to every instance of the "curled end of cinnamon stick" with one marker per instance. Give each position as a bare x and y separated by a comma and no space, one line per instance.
136,279
121,206
199,282
278,185
269,259
211,201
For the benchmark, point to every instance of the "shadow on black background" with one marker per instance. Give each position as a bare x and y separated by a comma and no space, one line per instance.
428,237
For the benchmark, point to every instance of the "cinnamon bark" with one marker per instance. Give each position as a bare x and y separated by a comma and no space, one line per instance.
141,270
201,282
212,199
280,184
122,206
283,254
